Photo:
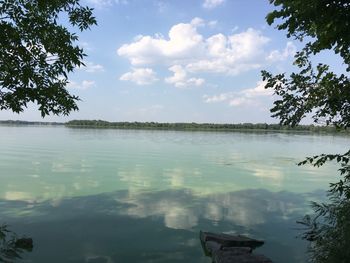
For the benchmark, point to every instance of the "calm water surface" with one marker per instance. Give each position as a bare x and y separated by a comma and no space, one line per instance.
88,195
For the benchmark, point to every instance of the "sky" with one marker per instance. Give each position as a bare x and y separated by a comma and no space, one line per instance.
176,61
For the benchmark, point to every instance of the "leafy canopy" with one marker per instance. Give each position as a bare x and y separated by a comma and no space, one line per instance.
37,53
326,22
314,90
325,95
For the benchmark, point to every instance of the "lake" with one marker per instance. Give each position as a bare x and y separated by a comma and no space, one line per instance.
94,195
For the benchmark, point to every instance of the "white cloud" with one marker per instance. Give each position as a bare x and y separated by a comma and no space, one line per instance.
180,79
92,67
197,21
105,3
244,97
86,46
84,85
141,76
232,54
209,4
226,54
100,3
212,23
277,55
240,101
183,43
258,91
218,98
186,53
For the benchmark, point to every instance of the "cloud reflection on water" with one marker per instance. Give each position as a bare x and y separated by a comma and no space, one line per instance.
231,174
245,208
104,225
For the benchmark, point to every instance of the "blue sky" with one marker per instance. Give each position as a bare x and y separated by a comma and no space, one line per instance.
176,61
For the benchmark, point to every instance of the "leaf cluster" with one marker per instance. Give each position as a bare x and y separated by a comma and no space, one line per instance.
328,229
313,90
37,53
326,22
325,96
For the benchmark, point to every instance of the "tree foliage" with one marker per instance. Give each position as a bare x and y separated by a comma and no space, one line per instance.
328,229
314,90
325,23
325,96
192,126
37,52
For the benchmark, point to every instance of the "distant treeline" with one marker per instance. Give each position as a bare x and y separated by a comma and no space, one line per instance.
197,126
11,122
187,126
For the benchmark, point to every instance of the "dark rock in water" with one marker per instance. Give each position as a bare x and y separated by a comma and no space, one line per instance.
24,243
225,248
229,240
211,247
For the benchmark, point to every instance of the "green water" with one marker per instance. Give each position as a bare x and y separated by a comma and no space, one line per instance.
88,195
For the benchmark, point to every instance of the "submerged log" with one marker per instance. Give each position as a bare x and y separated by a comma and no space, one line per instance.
210,247
224,248
230,240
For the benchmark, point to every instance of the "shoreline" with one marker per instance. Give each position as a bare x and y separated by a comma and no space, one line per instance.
187,127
